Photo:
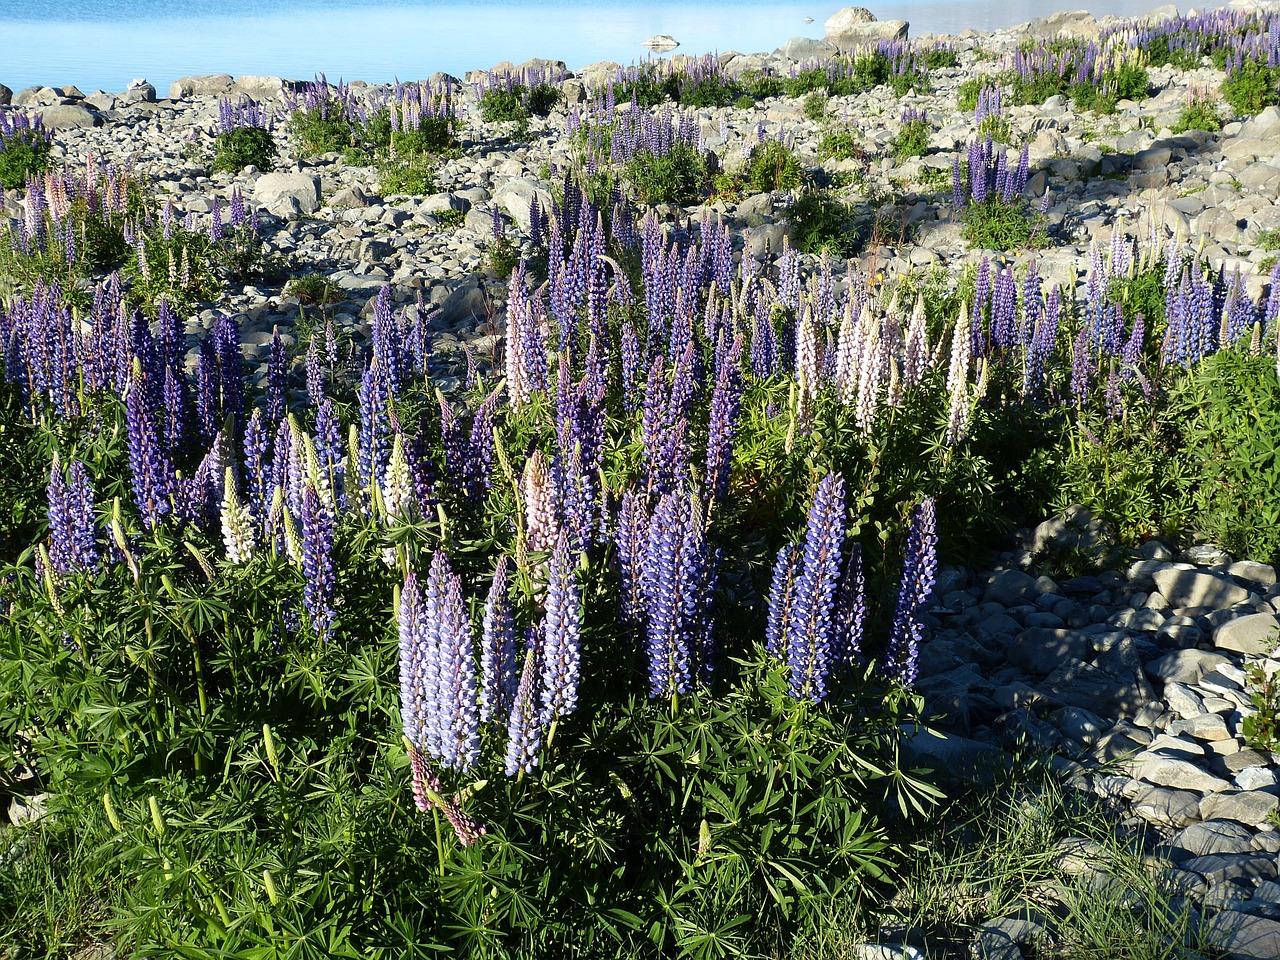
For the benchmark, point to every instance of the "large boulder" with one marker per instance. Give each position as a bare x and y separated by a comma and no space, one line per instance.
1068,23
801,49
69,116
204,85
853,26
288,194
516,197
6,95
258,88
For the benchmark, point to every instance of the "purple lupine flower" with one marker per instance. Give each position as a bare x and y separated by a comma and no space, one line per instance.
562,629
86,553
498,651
677,586
919,570
417,667
524,731
317,564
781,594
315,373
374,427
257,444
632,540
277,377
329,452
811,625
726,403
459,719
149,463
851,610
60,535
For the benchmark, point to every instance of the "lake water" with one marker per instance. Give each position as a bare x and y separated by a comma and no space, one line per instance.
103,44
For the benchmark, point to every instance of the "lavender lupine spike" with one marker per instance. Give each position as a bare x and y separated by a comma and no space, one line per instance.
149,463
781,593
632,539
677,594
851,610
59,519
726,403
524,731
86,553
562,628
317,565
277,375
811,625
498,651
459,721
417,678
918,573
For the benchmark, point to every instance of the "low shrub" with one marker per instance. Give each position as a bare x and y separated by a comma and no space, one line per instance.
815,106
913,139
244,146
822,223
771,166
411,174
838,145
678,176
24,148
502,105
1251,86
321,129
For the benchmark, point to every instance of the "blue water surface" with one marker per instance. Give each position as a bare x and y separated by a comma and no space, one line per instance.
103,44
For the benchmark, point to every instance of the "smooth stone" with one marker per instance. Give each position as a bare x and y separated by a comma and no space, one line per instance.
1256,778
1255,635
1166,807
1206,726
1185,666
1221,867
1197,588
1009,587
1244,936
1208,837
1166,771
1251,807
70,116
286,194
1040,650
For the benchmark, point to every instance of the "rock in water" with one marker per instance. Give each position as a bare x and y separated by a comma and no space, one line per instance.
661,43
857,25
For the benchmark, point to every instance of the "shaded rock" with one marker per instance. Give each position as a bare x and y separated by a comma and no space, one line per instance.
1008,587
801,49
1251,807
1198,588
516,197
1220,867
1209,837
1244,936
1185,666
1166,771
1041,650
1166,806
6,95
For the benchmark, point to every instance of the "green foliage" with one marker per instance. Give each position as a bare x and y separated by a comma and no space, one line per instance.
1252,88
236,149
542,99
679,176
771,166
314,289
744,102
412,174
815,106
502,256
821,223
1269,240
500,105
838,145
22,155
941,58
1160,53
1141,294
761,86
1200,114
321,130
1231,405
433,135
993,225
707,90
1262,728
912,140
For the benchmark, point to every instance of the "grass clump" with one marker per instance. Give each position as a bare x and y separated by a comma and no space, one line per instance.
314,290
503,105
24,148
822,223
913,139
1000,226
242,147
678,176
412,174
771,166
815,106
838,145
1200,113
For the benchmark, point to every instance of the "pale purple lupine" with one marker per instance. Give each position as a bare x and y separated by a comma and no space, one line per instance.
459,718
632,541
59,519
524,731
919,570
317,564
562,636
781,593
498,650
722,427
678,581
811,625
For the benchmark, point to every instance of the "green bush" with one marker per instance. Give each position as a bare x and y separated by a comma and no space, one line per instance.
709,90
543,99
815,106
744,102
24,152
912,140
321,130
1200,113
433,135
1252,88
1231,406
941,58
679,176
499,105
998,226
412,174
761,86
838,145
771,166
242,147
821,223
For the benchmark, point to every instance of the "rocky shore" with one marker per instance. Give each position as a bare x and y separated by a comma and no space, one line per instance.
1136,679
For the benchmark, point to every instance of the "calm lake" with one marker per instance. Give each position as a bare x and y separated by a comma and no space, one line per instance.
103,44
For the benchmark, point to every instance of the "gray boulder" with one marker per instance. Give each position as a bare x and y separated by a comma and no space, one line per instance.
204,85
288,194
6,95
516,197
258,88
1198,588
850,27
70,116
801,49
1256,635
1075,530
